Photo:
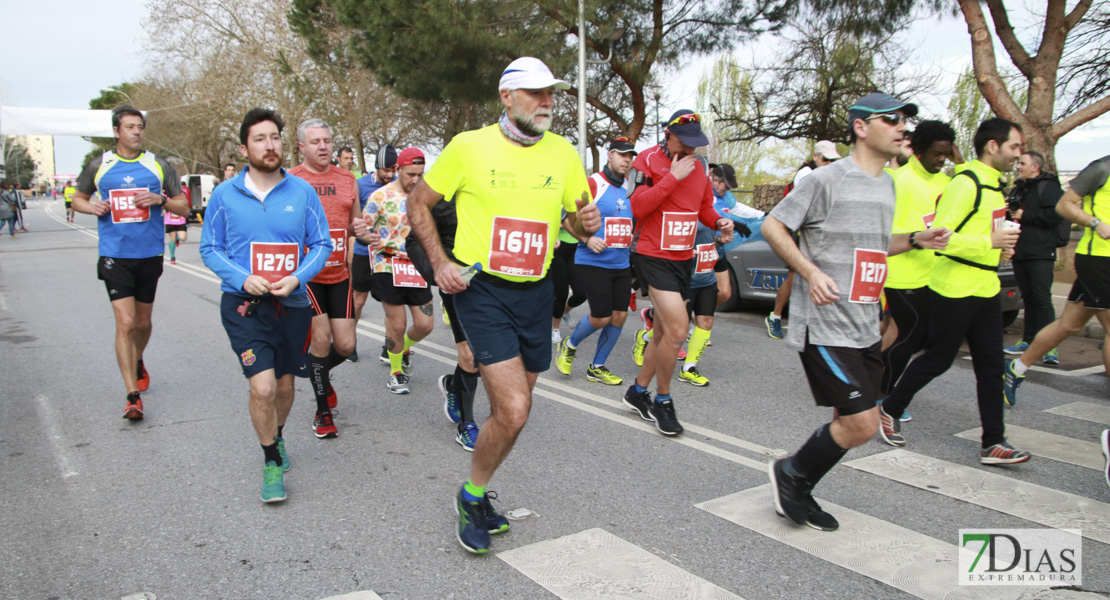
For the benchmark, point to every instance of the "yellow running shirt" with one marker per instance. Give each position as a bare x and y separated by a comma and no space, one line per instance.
916,193
973,243
509,199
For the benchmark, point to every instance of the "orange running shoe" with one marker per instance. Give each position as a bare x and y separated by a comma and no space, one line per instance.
134,410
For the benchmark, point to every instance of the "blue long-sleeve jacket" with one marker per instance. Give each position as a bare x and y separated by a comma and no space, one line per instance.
235,217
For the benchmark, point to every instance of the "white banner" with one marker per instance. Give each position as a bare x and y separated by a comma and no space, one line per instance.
20,120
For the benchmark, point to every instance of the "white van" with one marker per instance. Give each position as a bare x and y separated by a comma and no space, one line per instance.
200,188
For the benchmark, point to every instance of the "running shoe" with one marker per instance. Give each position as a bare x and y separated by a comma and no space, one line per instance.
134,410
473,532
446,319
286,464
890,429
353,356
406,363
556,336
645,316
681,354
495,523
638,347
143,378
567,319
665,420
173,261
1018,348
692,377
398,383
564,361
450,399
273,483
1003,454
467,435
601,374
906,417
1011,381
323,426
639,403
774,326
333,398
817,518
1105,438
789,492
385,355
1052,358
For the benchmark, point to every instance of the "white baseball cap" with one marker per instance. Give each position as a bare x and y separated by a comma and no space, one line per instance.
827,149
527,73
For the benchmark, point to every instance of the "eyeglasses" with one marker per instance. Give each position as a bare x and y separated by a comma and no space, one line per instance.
892,118
684,119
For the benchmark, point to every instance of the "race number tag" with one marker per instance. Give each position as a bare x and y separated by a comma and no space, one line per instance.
707,258
928,219
338,254
124,209
679,229
618,232
406,275
998,217
273,262
868,276
518,247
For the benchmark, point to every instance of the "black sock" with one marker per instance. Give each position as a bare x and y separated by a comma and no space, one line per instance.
318,375
466,385
819,454
140,371
272,453
280,427
334,358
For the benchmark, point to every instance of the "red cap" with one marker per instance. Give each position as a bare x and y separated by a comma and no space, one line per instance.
410,156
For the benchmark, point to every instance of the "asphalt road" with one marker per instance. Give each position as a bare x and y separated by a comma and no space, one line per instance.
93,506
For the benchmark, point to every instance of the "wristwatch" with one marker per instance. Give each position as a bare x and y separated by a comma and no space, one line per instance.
163,201
1094,224
913,241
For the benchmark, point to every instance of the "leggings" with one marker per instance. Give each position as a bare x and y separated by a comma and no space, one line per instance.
910,311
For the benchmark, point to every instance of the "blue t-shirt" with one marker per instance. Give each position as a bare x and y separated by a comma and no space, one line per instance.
724,203
612,202
367,184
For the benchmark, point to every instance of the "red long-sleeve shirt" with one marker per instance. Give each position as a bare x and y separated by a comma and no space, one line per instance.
694,194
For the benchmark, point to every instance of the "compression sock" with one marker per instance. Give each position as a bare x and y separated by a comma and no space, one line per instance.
409,343
334,359
581,331
819,454
395,362
466,385
605,342
473,493
1019,367
272,454
696,347
661,398
318,375
171,247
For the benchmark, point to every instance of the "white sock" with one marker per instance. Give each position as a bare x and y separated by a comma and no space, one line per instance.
1020,368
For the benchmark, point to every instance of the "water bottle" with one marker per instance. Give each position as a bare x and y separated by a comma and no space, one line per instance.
468,273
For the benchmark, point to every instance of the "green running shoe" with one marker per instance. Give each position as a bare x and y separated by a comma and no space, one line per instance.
273,483
565,359
692,376
601,374
638,347
286,464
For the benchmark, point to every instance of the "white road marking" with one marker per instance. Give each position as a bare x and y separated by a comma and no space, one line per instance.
980,486
1048,445
1058,371
597,565
362,595
1086,411
3,302
52,423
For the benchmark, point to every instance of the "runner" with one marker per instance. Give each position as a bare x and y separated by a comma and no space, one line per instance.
262,257
964,301
601,266
1085,203
330,290
68,194
395,282
701,301
508,227
229,171
842,215
132,188
673,194
385,168
177,228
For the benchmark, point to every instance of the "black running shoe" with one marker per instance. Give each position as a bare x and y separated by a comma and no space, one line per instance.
665,420
640,403
818,518
789,492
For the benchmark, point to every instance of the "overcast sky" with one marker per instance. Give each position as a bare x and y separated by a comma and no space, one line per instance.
48,65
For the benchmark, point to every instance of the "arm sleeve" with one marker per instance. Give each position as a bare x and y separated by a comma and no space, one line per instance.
954,205
85,183
213,244
317,239
1042,212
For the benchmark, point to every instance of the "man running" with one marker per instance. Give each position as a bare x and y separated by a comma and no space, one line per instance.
511,181
68,195
672,195
601,267
132,187
265,235
1085,203
330,290
395,282
964,301
385,168
842,215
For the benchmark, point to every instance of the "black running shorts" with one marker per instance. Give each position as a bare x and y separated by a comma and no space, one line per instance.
502,323
130,277
703,300
847,379
453,316
274,337
361,273
1092,281
607,290
383,290
332,299
664,275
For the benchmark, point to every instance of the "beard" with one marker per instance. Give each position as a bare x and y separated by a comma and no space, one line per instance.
267,163
527,122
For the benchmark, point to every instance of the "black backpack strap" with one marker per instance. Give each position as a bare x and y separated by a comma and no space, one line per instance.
978,197
964,261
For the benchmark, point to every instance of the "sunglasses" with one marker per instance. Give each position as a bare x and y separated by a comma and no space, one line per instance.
684,119
891,118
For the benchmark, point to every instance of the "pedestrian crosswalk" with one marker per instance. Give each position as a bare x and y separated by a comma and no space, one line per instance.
1083,410
1048,445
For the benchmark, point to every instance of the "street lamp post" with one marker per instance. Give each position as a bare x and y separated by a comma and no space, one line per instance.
610,37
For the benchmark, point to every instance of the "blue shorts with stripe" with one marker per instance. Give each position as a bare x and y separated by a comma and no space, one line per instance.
847,379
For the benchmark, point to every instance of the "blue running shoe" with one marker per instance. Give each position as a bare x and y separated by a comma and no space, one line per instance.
1011,382
273,483
495,523
467,435
906,417
1052,358
473,533
774,326
450,399
286,464
1018,348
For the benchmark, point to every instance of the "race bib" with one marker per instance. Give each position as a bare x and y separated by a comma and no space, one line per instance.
405,274
679,229
618,232
868,276
928,219
275,261
518,247
338,254
124,209
707,258
998,217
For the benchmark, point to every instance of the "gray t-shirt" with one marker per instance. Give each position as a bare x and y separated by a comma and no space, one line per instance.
1092,177
843,218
